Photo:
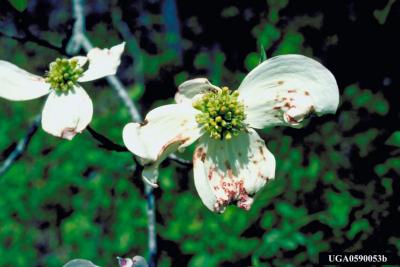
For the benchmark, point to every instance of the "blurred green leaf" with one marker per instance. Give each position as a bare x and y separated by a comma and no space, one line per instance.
19,5
394,139
263,55
252,60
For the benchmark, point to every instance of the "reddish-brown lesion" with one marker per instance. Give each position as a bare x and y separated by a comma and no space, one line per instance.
211,171
290,119
145,122
227,165
178,140
262,176
284,104
68,132
233,192
289,105
260,148
200,154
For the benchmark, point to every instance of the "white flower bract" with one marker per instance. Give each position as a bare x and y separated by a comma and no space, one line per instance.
283,90
68,110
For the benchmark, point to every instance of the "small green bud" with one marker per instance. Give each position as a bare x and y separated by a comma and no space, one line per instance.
228,136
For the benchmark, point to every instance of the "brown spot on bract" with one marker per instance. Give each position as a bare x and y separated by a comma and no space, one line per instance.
68,133
277,108
260,148
242,190
199,152
203,157
227,164
287,105
179,139
210,173
280,82
291,119
262,176
292,91
306,93
184,122
143,123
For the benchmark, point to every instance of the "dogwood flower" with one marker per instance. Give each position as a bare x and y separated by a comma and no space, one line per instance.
68,108
137,261
231,162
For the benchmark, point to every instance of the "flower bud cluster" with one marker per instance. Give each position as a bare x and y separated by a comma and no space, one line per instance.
222,114
63,74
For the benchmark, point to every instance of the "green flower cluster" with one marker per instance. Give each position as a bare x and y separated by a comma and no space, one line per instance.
63,74
222,114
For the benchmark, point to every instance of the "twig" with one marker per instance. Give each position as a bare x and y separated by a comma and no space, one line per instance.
21,146
78,40
119,88
132,47
115,83
29,37
78,30
169,12
105,142
108,144
179,160
151,226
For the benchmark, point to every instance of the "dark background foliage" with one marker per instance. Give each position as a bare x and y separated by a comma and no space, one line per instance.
336,180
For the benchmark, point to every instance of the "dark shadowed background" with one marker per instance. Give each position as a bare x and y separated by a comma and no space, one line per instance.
336,186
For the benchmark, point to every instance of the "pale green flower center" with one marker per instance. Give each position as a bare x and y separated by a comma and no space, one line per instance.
63,74
222,115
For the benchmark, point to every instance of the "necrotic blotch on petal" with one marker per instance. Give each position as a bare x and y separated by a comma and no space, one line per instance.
231,172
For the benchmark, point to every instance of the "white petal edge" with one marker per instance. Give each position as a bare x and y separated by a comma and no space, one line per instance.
17,84
285,89
190,88
165,129
65,115
102,62
80,263
232,171
82,60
